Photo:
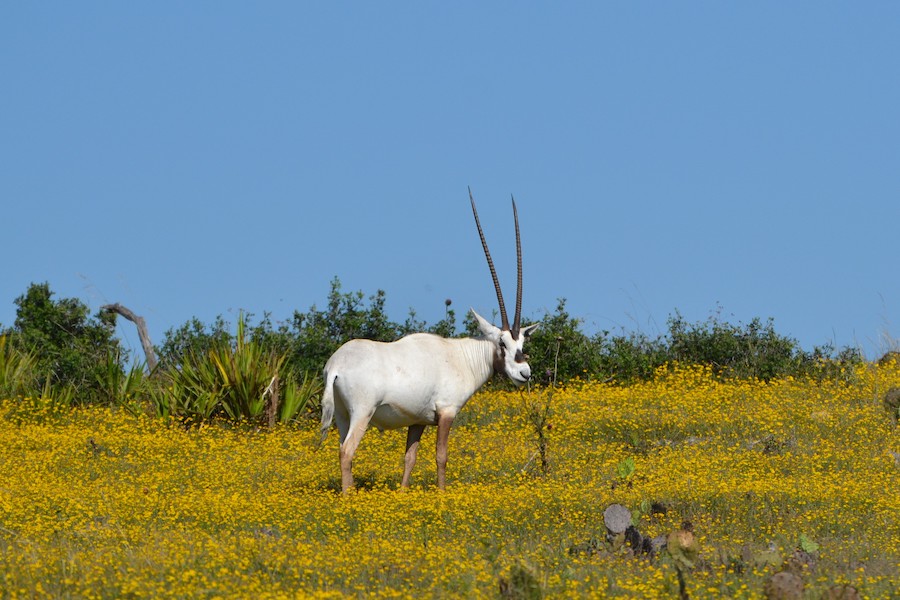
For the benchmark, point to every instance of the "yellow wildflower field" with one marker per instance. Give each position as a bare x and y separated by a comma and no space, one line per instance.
100,503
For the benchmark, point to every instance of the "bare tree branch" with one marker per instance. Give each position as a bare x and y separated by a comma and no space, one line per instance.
142,331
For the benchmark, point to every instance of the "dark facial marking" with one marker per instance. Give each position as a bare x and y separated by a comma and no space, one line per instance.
499,360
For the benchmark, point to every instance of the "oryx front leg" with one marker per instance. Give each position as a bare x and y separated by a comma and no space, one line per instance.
413,435
443,438
348,448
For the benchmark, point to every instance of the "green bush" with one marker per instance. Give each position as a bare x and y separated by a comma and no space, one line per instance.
630,357
559,351
69,347
192,338
752,351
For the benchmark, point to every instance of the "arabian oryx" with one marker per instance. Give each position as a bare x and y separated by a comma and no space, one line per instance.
421,379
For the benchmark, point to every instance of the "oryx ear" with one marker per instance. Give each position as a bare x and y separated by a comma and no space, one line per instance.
528,330
488,329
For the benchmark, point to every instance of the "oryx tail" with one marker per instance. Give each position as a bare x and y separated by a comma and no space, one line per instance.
327,404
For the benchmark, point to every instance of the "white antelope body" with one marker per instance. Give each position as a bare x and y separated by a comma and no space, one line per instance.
421,379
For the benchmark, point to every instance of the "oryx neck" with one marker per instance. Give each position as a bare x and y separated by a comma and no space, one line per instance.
479,353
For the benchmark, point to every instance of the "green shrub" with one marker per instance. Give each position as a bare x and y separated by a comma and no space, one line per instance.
632,357
69,347
559,347
752,351
192,338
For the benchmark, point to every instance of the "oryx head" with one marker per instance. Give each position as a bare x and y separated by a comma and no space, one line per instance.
509,357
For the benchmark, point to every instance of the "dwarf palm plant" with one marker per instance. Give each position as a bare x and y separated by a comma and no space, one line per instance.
19,378
232,380
298,396
16,370
116,386
243,373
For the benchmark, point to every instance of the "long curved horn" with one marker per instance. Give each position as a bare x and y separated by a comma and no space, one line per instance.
490,262
518,317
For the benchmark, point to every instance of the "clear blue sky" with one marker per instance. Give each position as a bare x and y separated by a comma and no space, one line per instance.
196,159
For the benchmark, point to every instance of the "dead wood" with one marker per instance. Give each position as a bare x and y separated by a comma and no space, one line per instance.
141,324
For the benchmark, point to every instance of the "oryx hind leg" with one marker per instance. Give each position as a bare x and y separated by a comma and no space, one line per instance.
443,440
349,443
413,435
